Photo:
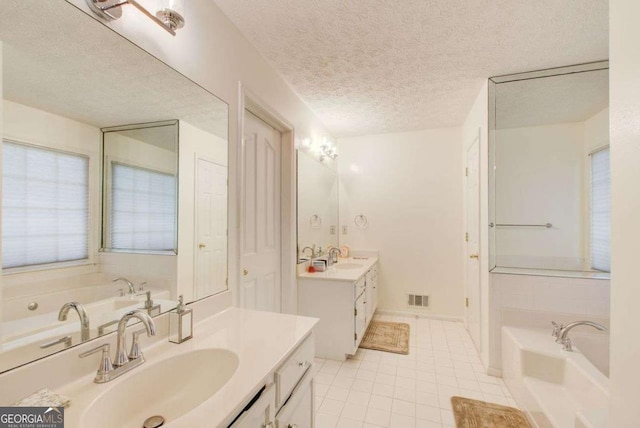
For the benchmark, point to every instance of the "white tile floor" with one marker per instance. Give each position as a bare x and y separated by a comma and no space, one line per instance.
380,389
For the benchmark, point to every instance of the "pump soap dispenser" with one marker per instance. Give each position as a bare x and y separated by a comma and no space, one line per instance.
180,323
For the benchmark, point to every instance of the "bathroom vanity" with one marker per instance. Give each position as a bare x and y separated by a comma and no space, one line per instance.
344,298
241,369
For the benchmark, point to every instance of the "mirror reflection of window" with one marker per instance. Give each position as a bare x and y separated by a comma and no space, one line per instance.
143,208
45,206
601,210
140,197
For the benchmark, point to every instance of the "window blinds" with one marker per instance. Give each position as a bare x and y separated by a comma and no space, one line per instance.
601,211
143,209
45,208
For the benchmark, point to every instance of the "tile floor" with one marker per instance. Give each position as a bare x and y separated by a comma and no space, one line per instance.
380,389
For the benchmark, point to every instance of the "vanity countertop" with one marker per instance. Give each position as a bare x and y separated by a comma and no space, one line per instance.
261,340
334,273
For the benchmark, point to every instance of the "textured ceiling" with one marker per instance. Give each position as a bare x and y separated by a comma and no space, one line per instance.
58,59
557,99
375,66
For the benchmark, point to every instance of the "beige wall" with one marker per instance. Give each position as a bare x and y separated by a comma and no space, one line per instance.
409,186
625,188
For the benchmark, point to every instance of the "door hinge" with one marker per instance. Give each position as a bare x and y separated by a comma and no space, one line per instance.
466,172
466,236
355,336
466,302
355,312
226,281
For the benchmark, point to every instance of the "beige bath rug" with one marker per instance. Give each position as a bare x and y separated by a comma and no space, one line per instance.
480,414
387,336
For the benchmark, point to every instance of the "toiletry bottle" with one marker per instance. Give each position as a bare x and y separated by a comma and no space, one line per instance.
180,323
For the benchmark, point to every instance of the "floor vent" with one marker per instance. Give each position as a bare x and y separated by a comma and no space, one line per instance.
418,301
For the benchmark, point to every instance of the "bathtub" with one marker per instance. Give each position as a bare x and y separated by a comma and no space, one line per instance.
553,387
21,338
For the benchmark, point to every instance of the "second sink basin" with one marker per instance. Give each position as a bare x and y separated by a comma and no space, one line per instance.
169,388
347,266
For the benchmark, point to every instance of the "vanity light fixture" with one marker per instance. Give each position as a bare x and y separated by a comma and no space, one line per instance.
169,16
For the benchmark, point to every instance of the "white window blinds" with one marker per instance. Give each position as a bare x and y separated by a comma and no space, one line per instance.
601,211
45,208
143,209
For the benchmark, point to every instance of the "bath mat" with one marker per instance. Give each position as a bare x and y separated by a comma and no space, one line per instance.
387,337
480,414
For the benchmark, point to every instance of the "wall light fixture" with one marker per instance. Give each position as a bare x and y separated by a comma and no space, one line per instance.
169,16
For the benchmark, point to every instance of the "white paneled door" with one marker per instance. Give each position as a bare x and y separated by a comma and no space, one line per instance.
211,228
472,237
260,284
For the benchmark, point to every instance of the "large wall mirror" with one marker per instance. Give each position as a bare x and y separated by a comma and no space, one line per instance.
114,182
317,206
550,185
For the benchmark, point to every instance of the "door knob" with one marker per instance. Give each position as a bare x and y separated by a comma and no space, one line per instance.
474,256
245,271
201,246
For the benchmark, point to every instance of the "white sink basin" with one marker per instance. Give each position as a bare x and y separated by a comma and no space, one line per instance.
170,388
347,266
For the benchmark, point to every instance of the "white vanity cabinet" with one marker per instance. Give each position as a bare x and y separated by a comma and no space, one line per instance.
345,304
288,400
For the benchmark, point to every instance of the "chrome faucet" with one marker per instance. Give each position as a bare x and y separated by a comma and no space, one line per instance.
313,251
132,288
121,354
107,370
564,332
82,314
334,253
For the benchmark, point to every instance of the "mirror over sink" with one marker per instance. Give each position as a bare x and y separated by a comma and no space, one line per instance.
114,182
317,206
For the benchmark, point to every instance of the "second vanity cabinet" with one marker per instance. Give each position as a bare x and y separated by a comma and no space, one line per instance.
344,301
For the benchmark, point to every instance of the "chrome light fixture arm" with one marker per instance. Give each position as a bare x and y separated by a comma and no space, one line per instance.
110,10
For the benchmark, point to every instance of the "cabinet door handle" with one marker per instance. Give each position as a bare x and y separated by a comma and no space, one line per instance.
473,256
245,272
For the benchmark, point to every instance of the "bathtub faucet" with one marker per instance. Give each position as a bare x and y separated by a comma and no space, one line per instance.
564,332
132,288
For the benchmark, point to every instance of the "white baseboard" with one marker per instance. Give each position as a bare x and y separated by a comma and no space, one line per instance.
415,315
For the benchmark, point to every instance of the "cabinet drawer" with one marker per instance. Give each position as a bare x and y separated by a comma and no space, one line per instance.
288,375
298,412
259,414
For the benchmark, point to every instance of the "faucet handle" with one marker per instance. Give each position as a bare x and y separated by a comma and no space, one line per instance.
64,339
557,328
106,366
135,351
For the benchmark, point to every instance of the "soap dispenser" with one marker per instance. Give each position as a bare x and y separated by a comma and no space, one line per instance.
180,323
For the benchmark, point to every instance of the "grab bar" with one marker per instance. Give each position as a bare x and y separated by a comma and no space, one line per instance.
547,225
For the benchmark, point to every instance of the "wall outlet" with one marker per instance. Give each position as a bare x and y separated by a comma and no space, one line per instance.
332,230
345,230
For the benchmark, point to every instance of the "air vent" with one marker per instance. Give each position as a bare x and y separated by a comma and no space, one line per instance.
418,301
